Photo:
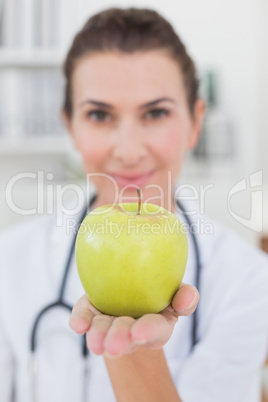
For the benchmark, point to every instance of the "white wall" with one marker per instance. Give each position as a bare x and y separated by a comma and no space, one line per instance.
263,89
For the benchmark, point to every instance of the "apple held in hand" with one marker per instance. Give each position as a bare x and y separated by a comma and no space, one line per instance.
131,258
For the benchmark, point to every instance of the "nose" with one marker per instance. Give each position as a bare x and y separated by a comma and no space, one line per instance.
130,147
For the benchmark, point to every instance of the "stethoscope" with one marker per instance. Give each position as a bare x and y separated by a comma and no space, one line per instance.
59,302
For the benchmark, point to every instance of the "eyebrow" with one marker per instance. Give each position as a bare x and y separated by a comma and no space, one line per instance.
107,106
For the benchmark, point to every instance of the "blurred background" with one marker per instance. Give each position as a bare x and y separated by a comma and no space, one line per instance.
228,41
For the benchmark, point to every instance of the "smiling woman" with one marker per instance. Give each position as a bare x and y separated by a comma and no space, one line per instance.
126,122
134,139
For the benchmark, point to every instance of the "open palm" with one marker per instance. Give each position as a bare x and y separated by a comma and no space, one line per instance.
114,336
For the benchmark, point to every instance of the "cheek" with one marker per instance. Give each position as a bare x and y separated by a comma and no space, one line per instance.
93,149
171,145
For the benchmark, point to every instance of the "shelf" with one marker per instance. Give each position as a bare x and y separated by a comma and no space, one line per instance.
36,146
36,58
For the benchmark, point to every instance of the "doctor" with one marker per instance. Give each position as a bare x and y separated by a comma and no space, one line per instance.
132,108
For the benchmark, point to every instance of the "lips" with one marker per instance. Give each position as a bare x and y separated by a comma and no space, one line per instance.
126,180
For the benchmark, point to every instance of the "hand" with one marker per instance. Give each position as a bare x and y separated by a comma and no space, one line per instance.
114,336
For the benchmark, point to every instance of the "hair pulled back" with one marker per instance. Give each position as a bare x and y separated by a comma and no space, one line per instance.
128,31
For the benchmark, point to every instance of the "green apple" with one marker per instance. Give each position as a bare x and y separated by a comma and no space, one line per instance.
131,258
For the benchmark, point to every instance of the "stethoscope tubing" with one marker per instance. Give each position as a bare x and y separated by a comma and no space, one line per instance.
197,272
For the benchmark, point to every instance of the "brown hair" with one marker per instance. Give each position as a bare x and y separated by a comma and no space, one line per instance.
129,30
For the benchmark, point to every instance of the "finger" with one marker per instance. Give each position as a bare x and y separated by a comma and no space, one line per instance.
97,333
151,330
185,300
82,315
118,339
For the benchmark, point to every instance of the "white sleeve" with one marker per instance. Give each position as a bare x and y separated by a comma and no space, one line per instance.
6,356
6,366
225,365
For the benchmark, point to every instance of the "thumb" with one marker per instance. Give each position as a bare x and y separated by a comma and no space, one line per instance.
185,300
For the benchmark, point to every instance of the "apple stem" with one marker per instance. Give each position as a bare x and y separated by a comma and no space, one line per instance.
139,201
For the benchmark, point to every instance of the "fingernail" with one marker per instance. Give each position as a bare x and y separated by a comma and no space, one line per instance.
192,300
139,341
112,357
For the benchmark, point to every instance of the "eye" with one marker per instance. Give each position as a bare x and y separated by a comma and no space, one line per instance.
98,115
157,113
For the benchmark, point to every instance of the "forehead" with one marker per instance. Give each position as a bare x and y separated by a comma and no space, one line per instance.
115,75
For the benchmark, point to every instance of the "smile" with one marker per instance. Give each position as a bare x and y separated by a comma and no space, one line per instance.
138,179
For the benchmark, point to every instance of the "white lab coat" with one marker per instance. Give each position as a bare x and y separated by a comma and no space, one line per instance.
232,328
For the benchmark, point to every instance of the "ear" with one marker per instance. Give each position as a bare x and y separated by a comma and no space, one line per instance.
197,120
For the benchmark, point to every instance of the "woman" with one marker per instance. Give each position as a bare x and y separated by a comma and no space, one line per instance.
133,111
